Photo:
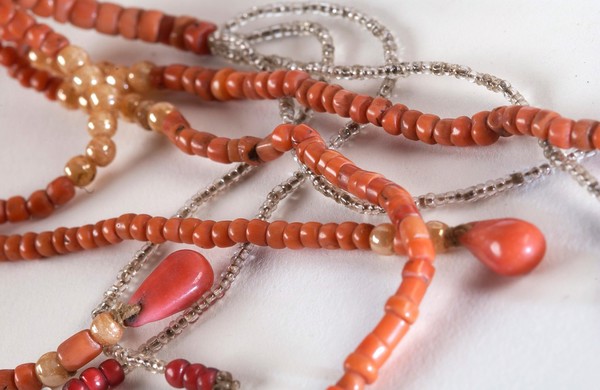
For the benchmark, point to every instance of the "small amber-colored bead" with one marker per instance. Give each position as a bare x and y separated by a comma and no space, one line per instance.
67,95
86,77
80,170
116,75
128,106
103,97
157,114
71,58
440,234
101,150
49,370
106,330
38,59
139,76
102,123
381,239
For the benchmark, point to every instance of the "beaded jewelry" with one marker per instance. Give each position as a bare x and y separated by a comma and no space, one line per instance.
44,60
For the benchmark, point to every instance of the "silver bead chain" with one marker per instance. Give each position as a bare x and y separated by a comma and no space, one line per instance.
273,199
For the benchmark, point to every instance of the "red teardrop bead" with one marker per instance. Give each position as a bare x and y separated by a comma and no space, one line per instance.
179,281
507,246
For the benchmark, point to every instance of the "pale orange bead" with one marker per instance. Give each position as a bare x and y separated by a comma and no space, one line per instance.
80,170
101,150
139,76
49,370
39,60
381,239
128,106
157,114
67,95
440,234
86,77
70,59
103,97
117,77
102,123
106,330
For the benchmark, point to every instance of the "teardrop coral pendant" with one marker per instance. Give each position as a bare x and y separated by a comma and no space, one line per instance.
507,246
174,285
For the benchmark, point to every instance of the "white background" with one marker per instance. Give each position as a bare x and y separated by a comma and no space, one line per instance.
293,317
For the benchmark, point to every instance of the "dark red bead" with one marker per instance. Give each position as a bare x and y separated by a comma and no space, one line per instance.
191,376
174,372
75,384
209,378
113,372
94,379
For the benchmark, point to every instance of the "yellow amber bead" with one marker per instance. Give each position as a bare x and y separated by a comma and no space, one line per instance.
116,76
101,150
440,234
157,114
139,76
80,170
39,60
67,95
381,239
128,106
102,123
49,370
87,76
106,330
70,59
103,97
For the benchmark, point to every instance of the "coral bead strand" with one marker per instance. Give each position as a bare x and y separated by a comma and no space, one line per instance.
181,32
401,310
204,234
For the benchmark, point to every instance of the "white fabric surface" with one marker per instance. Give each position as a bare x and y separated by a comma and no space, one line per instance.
293,317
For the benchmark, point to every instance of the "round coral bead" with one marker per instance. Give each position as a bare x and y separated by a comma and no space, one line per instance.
174,372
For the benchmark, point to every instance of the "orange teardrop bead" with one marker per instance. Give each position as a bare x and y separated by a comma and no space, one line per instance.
507,246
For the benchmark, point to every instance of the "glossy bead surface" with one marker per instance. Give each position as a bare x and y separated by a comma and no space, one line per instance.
25,377
49,371
381,239
87,76
157,114
139,76
113,372
174,372
71,58
439,233
103,97
178,281
75,384
102,123
101,150
67,95
128,106
78,350
105,330
94,379
507,246
80,170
